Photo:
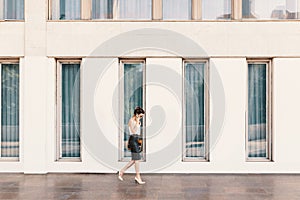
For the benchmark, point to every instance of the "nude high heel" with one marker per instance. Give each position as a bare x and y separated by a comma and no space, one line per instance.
139,181
119,176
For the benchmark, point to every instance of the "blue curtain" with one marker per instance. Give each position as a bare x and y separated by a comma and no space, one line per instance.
70,9
194,92
70,141
257,110
14,9
177,9
102,9
10,110
133,96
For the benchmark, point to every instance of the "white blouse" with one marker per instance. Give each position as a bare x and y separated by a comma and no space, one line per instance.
138,131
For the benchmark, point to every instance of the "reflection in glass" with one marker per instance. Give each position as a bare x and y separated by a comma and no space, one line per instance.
134,9
270,9
194,91
257,111
177,9
216,9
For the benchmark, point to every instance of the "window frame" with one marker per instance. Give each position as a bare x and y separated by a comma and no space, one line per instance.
11,159
206,158
269,108
58,82
121,63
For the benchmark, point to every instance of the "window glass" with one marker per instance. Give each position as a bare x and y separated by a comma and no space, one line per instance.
216,9
10,110
177,9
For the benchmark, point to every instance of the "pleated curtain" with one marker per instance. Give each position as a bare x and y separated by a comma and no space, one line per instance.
70,113
216,9
177,9
133,95
10,110
102,9
194,91
257,110
13,9
68,9
134,9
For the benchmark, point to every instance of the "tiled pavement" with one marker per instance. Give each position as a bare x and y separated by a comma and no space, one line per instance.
158,186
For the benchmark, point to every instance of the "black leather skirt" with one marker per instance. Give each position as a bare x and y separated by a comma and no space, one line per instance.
135,147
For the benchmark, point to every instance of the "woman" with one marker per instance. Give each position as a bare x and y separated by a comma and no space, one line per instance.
134,125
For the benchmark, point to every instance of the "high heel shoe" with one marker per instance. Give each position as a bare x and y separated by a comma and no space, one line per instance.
119,176
139,181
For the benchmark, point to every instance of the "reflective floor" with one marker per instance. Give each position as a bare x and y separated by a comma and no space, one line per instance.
158,186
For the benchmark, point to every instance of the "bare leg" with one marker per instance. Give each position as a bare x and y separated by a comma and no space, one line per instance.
137,169
127,166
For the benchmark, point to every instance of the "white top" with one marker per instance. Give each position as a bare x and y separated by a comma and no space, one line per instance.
138,131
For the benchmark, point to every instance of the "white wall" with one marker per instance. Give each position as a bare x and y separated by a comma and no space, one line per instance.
226,44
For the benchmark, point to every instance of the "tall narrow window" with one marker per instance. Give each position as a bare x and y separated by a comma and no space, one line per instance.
9,110
195,111
12,9
66,9
215,9
259,104
68,110
270,9
132,92
177,9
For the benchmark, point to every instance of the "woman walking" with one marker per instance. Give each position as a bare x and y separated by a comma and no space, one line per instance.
134,125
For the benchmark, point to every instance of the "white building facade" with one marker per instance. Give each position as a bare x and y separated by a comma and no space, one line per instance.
217,80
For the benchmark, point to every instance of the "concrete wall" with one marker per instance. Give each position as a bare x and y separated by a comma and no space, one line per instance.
226,44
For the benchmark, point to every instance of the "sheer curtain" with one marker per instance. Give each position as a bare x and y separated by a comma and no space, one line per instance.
216,9
10,110
133,96
134,9
177,9
13,9
70,113
270,9
257,110
66,9
102,9
194,91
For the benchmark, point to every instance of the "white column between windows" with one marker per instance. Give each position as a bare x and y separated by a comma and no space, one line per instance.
157,8
86,9
196,9
236,9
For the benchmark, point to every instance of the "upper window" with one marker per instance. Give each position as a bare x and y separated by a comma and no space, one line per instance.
11,9
9,110
259,111
177,9
270,9
66,9
215,9
122,9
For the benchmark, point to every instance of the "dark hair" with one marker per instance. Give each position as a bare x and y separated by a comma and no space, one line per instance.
138,110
